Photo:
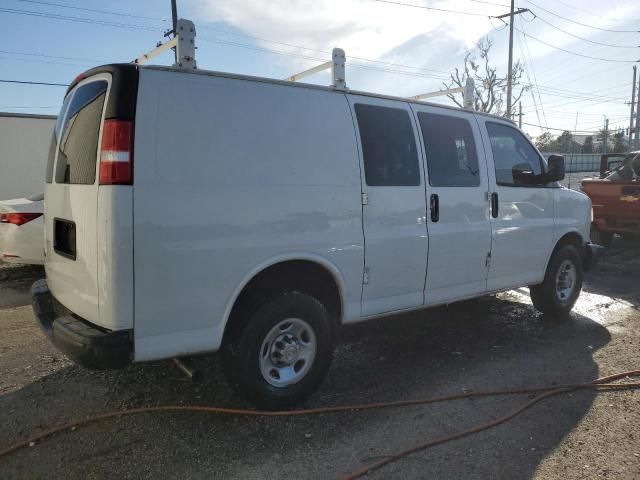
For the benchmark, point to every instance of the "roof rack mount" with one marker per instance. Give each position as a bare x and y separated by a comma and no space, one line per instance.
468,94
336,64
184,43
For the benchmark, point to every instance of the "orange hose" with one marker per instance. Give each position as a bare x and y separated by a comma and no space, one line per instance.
599,384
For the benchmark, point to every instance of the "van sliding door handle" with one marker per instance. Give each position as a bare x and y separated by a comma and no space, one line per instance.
494,205
434,206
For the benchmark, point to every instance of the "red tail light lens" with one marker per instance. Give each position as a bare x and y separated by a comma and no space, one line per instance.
116,154
18,218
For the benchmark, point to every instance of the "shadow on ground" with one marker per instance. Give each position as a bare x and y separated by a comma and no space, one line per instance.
477,345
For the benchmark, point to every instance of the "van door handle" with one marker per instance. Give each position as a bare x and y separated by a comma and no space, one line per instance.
494,205
434,206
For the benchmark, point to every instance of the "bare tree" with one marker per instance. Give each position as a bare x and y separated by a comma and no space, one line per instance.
490,88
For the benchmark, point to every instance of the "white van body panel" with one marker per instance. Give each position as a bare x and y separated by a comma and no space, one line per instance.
219,190
395,231
232,175
523,233
572,214
74,283
460,240
115,256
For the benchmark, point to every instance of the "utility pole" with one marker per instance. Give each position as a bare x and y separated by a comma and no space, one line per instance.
633,104
511,14
605,144
637,132
520,115
174,15
174,18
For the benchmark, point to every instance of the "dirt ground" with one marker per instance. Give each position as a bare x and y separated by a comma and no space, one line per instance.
491,343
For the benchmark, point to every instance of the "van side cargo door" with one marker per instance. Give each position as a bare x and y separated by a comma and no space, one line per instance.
458,220
393,217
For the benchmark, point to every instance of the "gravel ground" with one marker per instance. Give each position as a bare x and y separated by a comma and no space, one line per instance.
491,343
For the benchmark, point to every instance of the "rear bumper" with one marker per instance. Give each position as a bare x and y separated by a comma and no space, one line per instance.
592,254
90,346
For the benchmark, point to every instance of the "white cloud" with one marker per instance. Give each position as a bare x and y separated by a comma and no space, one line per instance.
364,28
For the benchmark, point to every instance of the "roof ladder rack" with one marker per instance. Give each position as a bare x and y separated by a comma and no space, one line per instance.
468,94
183,41
336,64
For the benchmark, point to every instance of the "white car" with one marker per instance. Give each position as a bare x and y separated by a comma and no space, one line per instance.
21,230
194,211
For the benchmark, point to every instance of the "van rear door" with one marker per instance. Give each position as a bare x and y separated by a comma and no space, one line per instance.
87,219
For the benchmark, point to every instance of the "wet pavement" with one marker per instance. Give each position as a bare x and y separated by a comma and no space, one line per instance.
489,343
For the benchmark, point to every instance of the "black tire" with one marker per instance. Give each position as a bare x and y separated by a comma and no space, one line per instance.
601,238
545,296
242,352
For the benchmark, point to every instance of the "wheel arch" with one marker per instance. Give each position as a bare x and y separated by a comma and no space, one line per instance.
274,269
571,237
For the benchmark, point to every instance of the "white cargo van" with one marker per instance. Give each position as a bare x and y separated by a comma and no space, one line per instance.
190,212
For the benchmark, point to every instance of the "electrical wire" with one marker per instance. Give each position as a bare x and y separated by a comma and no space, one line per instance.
575,53
93,10
599,385
581,9
24,82
580,23
537,17
432,443
54,16
534,86
424,7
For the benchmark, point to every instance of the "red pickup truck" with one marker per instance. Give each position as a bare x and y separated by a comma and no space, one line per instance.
615,197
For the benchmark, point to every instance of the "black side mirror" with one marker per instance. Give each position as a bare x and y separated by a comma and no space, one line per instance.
523,174
555,172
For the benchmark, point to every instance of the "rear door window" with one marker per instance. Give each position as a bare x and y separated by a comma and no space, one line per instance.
77,139
452,160
388,146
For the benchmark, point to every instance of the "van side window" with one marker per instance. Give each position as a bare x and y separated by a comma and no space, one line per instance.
452,159
53,146
78,139
517,163
388,146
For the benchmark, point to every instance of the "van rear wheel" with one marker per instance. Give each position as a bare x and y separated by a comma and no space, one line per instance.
283,353
559,291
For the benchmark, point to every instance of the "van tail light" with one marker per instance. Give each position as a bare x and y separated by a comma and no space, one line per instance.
116,153
18,218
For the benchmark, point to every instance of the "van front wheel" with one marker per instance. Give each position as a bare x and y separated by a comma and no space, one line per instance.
283,353
562,283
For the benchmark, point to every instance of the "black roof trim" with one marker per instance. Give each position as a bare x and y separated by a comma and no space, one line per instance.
124,88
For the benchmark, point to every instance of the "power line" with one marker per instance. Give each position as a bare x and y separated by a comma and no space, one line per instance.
535,84
326,52
317,59
582,38
24,82
27,107
561,129
571,52
580,23
54,16
93,60
84,9
424,7
596,15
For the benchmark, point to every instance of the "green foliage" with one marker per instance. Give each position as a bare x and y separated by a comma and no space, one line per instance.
619,142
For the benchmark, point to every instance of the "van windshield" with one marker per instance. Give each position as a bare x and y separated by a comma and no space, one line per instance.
76,135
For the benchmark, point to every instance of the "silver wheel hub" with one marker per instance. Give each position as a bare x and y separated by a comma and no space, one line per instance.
565,280
287,352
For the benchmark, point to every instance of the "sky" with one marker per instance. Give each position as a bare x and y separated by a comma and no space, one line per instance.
395,47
